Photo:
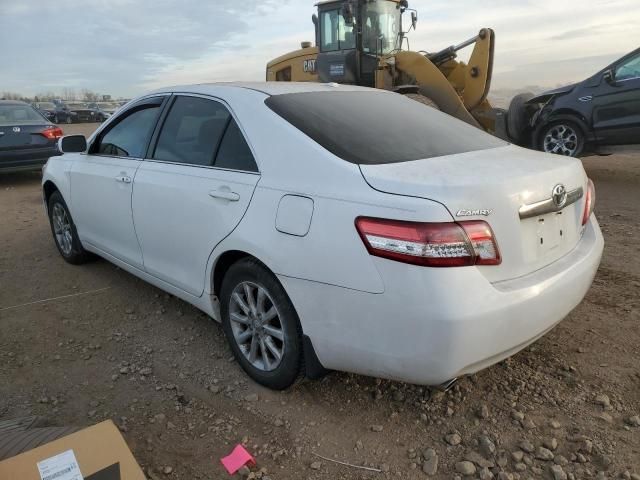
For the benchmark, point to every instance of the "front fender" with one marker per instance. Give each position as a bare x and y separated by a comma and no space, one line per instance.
57,172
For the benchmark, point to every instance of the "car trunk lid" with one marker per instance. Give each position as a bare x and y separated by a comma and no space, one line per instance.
493,185
17,137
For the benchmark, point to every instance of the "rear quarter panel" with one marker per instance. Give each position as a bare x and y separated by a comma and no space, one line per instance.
331,252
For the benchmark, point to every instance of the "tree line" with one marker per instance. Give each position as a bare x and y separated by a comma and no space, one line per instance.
66,94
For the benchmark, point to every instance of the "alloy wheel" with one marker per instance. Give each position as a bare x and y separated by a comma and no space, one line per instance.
256,326
561,139
62,229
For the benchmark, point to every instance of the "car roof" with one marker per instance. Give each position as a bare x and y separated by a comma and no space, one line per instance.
268,88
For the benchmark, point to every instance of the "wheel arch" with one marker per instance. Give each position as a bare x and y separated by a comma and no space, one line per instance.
569,115
48,187
312,368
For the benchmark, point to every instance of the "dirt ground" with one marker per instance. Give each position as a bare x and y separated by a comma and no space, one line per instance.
566,407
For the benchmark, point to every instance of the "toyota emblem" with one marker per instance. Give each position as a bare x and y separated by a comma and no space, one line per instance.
559,195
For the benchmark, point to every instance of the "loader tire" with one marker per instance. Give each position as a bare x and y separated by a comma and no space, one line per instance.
518,118
422,99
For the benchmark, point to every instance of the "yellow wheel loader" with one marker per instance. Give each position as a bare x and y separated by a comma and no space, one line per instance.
361,42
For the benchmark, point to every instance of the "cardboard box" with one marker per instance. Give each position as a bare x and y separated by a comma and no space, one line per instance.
95,453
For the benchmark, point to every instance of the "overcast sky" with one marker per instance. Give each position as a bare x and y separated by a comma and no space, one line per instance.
125,47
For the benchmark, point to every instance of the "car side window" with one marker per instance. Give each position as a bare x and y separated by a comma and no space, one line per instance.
234,153
129,136
192,131
629,70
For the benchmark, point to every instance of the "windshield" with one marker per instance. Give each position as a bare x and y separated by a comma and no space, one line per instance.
19,115
335,34
76,105
46,106
380,26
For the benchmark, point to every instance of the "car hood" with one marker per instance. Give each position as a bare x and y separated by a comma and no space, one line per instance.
543,97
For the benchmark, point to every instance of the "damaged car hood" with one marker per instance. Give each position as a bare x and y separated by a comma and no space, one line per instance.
543,97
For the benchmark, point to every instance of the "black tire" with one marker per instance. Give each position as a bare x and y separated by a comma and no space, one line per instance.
291,365
518,117
574,147
75,254
422,99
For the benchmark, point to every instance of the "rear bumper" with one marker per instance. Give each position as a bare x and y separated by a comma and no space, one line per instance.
29,159
431,325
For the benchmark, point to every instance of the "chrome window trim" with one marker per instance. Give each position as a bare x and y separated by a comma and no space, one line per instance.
167,162
548,206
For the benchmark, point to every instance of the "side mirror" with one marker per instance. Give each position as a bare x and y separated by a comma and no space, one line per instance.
72,144
414,19
609,77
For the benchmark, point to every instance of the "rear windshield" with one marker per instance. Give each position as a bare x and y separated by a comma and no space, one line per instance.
20,115
371,128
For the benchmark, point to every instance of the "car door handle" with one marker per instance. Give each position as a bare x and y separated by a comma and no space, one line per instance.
225,195
123,179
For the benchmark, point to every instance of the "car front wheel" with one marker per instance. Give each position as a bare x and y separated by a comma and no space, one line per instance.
64,231
562,138
261,325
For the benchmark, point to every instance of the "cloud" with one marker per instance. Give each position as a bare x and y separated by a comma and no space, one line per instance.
114,44
125,47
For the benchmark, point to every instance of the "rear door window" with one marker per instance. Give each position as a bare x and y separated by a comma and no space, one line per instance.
202,132
370,127
192,131
234,153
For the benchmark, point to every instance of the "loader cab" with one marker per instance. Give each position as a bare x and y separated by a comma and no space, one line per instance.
352,35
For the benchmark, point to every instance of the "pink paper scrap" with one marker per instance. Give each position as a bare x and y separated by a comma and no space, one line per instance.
237,459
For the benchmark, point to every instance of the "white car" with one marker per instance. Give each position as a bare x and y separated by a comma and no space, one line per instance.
332,227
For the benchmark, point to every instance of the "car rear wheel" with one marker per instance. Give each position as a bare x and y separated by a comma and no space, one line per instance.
261,325
64,231
562,138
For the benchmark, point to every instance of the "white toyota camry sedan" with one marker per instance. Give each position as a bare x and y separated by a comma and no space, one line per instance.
331,227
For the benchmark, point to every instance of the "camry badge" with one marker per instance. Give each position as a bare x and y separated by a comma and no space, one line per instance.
473,213
559,195
16,129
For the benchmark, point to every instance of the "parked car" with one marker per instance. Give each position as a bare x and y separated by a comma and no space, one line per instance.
27,138
81,112
103,110
48,109
595,114
332,227
55,112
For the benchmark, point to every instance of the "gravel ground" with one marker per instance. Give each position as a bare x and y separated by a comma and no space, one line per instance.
566,407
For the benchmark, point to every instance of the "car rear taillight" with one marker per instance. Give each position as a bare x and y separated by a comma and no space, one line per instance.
430,244
590,202
52,133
